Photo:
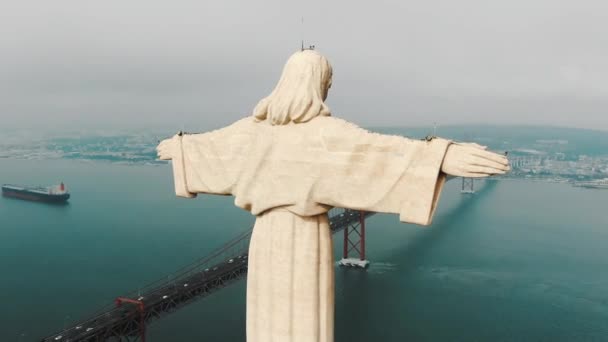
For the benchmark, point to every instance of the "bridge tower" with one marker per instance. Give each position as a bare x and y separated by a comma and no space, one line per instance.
141,309
468,186
354,241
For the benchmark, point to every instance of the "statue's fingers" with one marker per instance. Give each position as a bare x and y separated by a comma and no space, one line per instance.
163,152
476,145
475,175
164,146
479,161
491,156
485,169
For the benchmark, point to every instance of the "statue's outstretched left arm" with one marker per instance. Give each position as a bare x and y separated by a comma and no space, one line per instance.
394,174
473,161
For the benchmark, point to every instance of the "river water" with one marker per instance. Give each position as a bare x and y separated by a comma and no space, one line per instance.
517,261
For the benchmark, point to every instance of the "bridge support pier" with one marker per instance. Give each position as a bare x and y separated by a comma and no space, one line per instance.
354,241
468,186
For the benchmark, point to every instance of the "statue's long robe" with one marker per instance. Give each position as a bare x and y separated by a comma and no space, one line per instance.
289,177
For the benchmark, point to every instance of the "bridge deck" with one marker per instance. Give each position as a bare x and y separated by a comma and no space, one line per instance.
212,273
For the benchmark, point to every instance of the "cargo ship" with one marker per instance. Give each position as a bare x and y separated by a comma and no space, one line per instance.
51,194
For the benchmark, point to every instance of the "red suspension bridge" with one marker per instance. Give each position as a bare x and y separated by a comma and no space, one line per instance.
127,317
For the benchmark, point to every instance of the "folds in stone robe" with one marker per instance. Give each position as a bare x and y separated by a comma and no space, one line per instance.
311,167
289,176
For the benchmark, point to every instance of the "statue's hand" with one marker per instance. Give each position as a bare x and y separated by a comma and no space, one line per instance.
472,145
465,160
167,148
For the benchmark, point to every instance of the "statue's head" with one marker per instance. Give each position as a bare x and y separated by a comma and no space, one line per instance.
300,94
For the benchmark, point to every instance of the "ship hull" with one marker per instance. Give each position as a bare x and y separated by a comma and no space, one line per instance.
34,196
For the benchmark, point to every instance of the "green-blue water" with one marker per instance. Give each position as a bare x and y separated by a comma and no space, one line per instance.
518,261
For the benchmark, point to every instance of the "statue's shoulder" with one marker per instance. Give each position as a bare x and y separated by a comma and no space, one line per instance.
239,128
332,125
245,122
243,125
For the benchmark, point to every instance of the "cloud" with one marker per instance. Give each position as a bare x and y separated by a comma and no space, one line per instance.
396,62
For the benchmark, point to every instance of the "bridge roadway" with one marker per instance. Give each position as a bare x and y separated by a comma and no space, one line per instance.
126,319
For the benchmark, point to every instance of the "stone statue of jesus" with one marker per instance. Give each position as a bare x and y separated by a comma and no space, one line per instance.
288,164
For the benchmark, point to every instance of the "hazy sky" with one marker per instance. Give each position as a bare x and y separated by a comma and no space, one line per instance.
206,63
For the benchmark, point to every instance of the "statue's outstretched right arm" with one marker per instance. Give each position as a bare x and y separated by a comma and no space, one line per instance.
172,149
206,162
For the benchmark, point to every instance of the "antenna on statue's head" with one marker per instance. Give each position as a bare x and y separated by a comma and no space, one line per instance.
302,48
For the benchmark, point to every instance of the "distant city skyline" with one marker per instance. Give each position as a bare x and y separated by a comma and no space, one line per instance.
396,63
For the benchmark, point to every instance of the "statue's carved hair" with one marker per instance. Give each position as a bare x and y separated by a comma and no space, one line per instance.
300,94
